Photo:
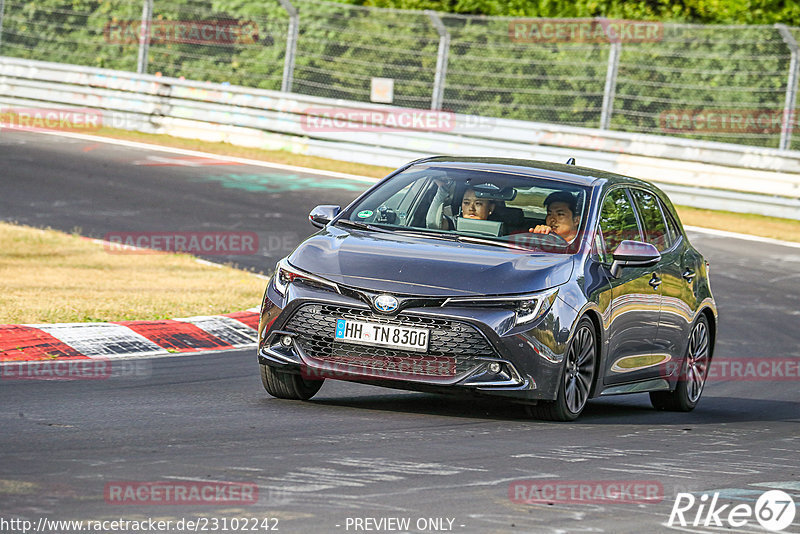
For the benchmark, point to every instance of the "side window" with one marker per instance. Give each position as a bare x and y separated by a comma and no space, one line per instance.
674,232
655,228
401,197
402,203
617,223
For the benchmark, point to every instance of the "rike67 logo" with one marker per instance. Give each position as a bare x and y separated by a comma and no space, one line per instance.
774,510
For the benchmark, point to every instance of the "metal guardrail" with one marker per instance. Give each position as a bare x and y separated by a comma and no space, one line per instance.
697,173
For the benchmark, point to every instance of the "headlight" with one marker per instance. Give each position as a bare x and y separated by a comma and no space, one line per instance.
285,274
534,307
527,308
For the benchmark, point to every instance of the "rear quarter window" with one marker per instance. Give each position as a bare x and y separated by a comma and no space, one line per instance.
655,226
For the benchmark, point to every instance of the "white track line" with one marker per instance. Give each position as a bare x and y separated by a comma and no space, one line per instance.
232,159
746,237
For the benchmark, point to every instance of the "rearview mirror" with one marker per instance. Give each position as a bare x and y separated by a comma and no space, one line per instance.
492,192
634,254
322,215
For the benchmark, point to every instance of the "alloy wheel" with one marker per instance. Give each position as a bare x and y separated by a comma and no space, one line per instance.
697,362
580,369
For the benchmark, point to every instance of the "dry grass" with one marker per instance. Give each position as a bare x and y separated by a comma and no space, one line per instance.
53,277
785,229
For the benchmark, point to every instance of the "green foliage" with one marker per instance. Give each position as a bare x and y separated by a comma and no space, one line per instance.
696,11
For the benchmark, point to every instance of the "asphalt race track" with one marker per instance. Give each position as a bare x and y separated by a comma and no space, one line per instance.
355,451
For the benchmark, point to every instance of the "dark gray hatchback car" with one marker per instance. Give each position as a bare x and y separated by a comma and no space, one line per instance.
543,283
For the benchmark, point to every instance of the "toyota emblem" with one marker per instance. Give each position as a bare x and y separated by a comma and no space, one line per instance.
386,303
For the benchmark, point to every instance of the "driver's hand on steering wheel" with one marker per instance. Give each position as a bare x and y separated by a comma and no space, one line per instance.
540,229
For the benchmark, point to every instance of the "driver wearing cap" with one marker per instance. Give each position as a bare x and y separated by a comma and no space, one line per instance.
561,218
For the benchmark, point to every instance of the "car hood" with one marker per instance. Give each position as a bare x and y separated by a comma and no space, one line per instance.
393,263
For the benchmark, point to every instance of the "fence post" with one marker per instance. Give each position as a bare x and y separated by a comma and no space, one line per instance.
791,89
441,60
144,36
291,46
2,12
610,88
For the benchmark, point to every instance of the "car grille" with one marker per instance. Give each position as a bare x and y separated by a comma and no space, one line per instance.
453,347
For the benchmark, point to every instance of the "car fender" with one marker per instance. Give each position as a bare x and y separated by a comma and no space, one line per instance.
592,310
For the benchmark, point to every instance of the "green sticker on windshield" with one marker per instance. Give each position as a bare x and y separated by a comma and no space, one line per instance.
364,214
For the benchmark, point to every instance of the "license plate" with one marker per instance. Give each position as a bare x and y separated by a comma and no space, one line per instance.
382,335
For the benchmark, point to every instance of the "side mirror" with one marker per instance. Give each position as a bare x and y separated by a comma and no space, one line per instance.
322,215
634,254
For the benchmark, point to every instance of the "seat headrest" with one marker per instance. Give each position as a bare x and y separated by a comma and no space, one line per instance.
510,216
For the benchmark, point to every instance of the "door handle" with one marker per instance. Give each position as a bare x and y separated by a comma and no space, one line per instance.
688,275
655,281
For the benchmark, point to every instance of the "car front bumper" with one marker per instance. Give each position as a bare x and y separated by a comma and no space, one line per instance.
487,355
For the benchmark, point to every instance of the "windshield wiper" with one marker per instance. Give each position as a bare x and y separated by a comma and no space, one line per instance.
458,238
431,234
482,241
361,226
423,233
504,244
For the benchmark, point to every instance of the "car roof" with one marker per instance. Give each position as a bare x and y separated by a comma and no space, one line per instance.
558,171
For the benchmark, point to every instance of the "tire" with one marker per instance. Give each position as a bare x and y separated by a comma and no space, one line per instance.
693,373
578,378
288,386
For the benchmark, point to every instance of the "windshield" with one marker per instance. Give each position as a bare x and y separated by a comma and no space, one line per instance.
500,208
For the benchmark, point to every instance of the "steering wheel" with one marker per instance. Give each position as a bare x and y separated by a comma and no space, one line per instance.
530,238
557,238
